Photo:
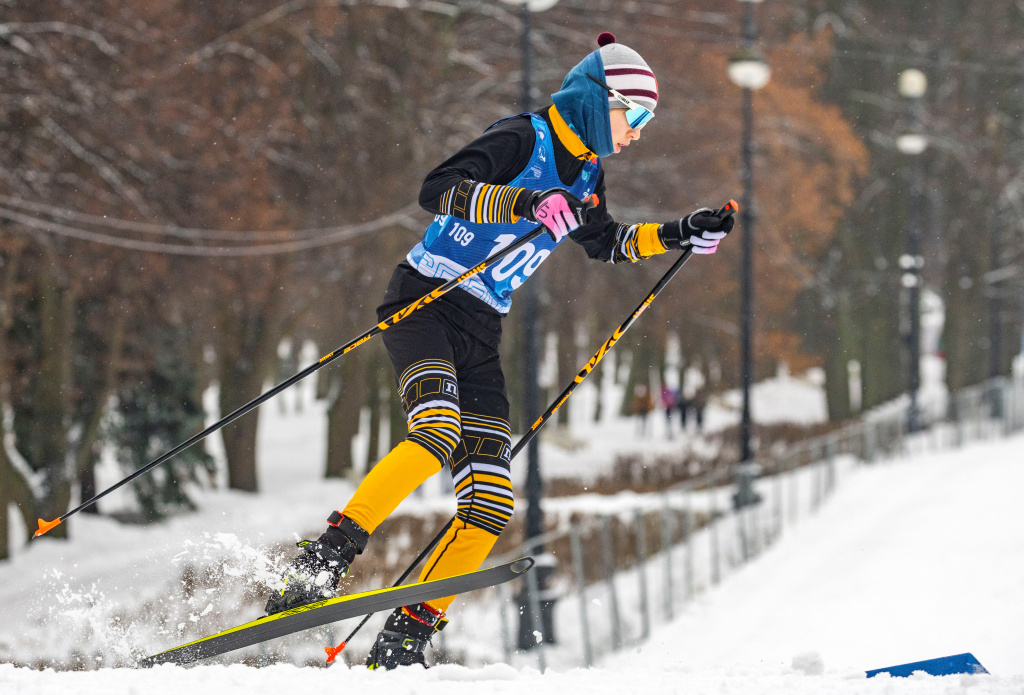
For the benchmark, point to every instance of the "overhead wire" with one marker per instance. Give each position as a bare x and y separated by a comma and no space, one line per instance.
402,217
167,229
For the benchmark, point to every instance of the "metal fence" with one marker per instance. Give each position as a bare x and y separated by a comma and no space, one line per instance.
612,578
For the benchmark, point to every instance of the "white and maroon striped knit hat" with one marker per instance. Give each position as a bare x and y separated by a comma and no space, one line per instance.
626,72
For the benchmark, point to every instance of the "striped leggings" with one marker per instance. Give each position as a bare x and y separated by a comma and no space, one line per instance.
474,446
453,393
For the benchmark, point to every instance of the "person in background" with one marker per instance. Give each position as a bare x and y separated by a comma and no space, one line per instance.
643,404
699,402
669,398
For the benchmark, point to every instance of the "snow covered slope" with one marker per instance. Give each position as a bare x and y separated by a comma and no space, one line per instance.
910,560
498,680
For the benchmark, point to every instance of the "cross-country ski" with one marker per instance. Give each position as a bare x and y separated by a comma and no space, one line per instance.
310,615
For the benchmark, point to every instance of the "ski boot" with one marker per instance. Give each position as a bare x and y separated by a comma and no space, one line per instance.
404,637
315,573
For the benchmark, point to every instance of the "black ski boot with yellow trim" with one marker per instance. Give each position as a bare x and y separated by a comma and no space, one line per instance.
404,637
315,573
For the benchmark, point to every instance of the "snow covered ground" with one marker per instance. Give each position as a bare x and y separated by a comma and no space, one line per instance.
291,457
498,679
911,559
594,446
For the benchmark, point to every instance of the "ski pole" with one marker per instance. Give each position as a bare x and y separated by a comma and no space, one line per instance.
332,652
730,208
46,526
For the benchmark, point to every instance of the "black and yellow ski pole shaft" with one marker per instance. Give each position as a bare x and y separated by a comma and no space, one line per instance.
46,526
730,208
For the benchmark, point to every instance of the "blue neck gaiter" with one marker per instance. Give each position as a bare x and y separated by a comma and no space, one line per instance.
584,105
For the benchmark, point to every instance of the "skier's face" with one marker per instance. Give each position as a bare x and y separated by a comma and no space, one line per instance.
622,134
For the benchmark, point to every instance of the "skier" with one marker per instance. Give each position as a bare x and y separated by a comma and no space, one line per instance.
524,171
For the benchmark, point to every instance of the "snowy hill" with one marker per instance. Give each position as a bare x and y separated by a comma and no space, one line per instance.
914,559
910,560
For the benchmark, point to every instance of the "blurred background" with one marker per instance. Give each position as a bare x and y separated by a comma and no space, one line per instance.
199,199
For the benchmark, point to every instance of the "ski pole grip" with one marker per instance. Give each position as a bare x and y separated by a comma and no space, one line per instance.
592,201
730,208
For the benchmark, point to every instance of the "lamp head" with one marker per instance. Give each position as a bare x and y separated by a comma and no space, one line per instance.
912,143
747,69
913,83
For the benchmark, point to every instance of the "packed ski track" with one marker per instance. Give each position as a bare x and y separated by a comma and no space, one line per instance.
911,559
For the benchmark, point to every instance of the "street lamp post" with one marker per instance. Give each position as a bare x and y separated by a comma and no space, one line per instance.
912,85
749,71
531,351
534,524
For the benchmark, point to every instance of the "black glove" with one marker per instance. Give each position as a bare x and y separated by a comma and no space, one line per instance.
558,210
702,229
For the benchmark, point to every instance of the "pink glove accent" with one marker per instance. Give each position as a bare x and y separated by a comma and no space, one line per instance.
554,213
704,249
706,242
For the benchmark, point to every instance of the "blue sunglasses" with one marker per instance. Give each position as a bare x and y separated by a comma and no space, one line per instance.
637,116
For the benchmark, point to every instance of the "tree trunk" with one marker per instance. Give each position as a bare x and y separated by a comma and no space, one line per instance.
347,390
598,376
240,382
48,445
5,502
7,483
240,449
627,362
842,349
964,330
247,354
13,488
373,387
568,366
88,449
644,356
87,486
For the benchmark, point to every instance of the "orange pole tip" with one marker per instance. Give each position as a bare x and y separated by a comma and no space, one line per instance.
47,526
334,651
732,206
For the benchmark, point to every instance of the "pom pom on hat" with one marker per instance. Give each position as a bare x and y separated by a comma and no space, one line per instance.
605,38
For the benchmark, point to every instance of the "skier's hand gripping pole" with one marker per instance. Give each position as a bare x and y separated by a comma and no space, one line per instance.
46,526
724,212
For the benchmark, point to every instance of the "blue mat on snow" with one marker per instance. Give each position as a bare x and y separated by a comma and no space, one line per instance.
943,666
